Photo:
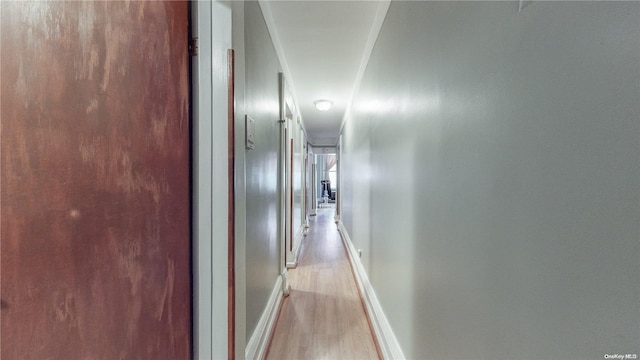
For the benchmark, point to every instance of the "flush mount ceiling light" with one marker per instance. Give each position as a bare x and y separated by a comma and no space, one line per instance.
323,105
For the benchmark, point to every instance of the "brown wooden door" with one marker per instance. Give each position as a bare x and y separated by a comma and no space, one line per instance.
94,184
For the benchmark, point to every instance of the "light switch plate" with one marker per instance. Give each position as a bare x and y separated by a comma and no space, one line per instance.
250,131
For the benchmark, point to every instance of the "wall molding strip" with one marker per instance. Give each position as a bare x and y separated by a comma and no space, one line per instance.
297,245
387,341
258,343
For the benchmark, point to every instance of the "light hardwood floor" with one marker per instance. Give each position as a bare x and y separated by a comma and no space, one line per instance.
323,317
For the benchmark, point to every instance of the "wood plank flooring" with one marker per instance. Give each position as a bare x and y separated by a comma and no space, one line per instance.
323,317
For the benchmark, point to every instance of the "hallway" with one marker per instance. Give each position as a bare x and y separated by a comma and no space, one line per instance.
160,162
323,317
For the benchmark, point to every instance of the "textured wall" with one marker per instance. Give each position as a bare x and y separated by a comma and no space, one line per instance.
261,166
491,177
95,181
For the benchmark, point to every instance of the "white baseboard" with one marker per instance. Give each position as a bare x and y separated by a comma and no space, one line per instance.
257,345
297,245
389,346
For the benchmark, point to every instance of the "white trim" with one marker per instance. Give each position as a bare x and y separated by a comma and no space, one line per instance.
297,245
257,344
389,346
202,179
212,25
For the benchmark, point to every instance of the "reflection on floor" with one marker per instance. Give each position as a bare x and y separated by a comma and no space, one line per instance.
323,317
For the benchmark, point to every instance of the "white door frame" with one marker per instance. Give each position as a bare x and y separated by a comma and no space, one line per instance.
211,25
283,186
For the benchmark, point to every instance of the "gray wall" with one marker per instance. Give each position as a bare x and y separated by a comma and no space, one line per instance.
262,252
237,10
500,217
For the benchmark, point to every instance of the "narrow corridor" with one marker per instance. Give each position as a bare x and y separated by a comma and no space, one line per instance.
323,317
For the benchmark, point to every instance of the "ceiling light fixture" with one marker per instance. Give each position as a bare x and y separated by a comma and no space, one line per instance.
323,105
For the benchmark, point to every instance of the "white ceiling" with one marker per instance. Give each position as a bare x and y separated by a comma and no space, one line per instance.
323,47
